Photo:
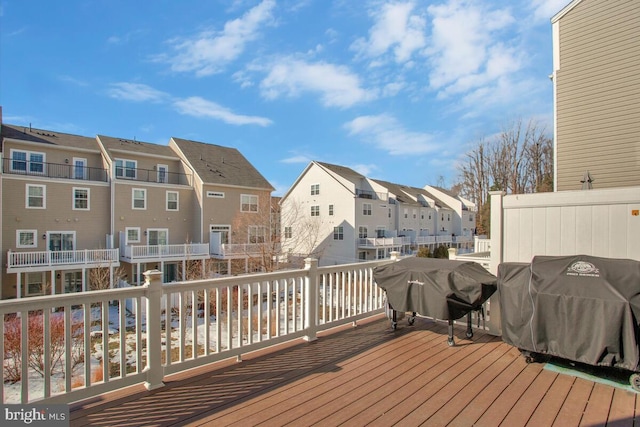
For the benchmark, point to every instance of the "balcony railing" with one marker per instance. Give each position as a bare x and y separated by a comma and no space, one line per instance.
86,257
212,320
183,251
148,175
53,170
377,242
367,194
241,250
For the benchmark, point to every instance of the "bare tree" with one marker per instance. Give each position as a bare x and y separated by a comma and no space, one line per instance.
102,277
517,160
302,233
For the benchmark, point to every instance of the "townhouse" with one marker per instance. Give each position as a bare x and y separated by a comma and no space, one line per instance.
82,213
596,81
338,215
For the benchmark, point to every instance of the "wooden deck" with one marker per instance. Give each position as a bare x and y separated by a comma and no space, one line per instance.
374,376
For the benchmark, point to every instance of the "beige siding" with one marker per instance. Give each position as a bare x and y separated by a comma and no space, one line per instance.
156,215
598,87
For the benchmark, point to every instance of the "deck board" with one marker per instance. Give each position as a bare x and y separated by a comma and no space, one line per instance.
370,375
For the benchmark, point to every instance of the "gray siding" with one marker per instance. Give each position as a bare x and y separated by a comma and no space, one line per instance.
598,93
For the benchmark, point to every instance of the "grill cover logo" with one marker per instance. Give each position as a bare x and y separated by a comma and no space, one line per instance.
583,269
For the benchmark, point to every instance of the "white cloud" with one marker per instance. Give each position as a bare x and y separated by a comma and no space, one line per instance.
300,158
546,9
387,134
210,51
199,107
467,49
336,85
136,92
395,29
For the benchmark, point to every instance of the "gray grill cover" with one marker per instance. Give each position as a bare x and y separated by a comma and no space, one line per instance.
439,288
581,308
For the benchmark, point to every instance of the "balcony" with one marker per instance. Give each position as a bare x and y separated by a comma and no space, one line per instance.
53,170
367,194
240,250
150,253
383,242
152,175
371,376
48,260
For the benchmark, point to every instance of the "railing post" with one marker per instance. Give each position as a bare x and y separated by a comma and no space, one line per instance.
495,316
155,371
394,256
311,303
453,252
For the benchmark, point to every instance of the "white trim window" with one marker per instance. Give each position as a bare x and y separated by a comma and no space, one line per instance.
139,198
26,239
256,234
315,210
315,189
363,232
338,233
215,194
288,232
79,168
81,199
157,236
366,209
224,230
126,168
36,196
173,201
330,210
133,234
248,203
35,283
163,173
28,162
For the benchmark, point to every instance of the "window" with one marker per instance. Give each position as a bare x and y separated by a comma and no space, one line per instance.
79,168
380,232
414,214
249,203
62,240
139,198
315,189
26,238
256,234
80,199
126,168
288,232
35,283
330,210
215,194
338,233
27,161
362,232
406,213
36,196
157,236
366,209
223,230
172,200
315,210
133,234
470,218
163,171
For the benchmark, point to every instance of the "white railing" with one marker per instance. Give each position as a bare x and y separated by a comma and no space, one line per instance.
383,241
231,250
76,346
482,258
482,244
425,240
184,250
89,257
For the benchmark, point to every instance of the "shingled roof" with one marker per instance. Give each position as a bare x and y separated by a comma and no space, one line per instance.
112,144
41,136
216,164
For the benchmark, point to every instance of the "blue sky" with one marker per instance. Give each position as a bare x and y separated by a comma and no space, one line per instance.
397,90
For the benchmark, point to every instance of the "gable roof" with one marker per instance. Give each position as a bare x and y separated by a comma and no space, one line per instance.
220,165
565,10
343,171
41,136
113,145
397,189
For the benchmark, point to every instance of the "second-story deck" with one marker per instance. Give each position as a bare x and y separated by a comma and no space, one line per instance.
371,375
53,170
151,253
18,262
